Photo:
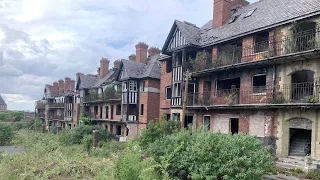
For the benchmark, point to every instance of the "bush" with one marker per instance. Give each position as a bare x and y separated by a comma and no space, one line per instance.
6,133
75,135
35,124
206,155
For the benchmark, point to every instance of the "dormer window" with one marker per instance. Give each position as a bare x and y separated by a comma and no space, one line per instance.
249,13
233,19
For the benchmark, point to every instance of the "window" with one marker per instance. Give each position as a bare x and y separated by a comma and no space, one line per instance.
249,13
233,19
142,86
168,93
142,109
259,83
168,117
125,86
177,90
206,122
118,110
169,65
132,86
261,42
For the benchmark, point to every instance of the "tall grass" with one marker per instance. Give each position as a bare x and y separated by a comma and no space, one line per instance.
47,158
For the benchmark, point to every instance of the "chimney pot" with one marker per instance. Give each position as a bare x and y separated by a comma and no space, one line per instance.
153,51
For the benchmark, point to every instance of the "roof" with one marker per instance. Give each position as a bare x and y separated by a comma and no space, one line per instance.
87,81
267,14
2,101
132,69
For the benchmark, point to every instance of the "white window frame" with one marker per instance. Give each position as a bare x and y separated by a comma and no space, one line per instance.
132,86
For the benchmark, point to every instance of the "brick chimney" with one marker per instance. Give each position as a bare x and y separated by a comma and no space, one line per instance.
67,84
141,52
55,89
104,67
116,64
132,57
61,86
153,51
72,85
222,10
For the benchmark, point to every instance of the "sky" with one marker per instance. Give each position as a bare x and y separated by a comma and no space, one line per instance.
42,41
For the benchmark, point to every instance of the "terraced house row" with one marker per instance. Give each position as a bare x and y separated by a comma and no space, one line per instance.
253,68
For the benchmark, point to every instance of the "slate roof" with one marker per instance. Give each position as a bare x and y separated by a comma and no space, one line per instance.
152,69
87,81
267,14
2,101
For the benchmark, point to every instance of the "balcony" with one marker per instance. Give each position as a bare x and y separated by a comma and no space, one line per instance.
287,45
40,105
40,115
130,118
102,97
56,117
56,105
295,94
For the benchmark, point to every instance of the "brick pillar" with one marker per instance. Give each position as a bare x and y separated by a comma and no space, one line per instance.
214,54
247,49
153,51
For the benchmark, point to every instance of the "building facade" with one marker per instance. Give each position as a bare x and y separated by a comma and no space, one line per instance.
125,98
3,105
59,108
253,69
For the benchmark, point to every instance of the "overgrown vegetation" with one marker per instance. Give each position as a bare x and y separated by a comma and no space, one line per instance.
6,133
14,115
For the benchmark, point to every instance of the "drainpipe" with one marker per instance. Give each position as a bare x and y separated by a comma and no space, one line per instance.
274,80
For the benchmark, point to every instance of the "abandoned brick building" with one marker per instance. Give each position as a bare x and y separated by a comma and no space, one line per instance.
123,99
254,68
3,105
59,107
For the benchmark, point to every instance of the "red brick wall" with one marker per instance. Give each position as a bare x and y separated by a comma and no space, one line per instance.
166,80
244,123
247,49
214,53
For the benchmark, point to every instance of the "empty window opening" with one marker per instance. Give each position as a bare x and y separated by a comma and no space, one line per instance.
259,83
169,65
112,111
118,110
168,117
141,109
96,111
188,121
177,90
101,112
106,127
168,92
224,87
234,18
70,126
191,88
206,122
118,128
107,112
302,84
261,42
176,116
234,125
127,131
178,59
142,86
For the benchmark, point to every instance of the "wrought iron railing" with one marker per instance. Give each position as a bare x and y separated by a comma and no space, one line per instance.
102,97
56,117
279,94
297,42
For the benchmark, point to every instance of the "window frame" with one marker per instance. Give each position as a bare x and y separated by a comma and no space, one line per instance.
132,86
253,87
142,86
166,93
118,111
203,122
141,109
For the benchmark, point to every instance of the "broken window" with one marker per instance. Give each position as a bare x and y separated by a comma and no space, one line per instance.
168,117
227,86
141,109
118,128
261,42
206,122
118,110
249,13
259,83
168,92
111,111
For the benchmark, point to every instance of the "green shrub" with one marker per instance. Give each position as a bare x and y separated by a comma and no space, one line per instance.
313,175
75,135
6,133
206,155
87,141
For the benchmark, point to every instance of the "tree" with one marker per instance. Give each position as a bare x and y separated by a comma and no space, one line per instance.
6,133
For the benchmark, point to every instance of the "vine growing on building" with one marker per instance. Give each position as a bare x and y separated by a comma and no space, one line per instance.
202,60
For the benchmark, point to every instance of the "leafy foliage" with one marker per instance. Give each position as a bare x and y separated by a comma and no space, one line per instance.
15,115
6,133
203,60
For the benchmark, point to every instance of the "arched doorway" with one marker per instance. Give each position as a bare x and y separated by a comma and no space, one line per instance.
302,85
300,136
304,36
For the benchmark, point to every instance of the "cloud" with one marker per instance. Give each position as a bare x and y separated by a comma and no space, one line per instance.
43,41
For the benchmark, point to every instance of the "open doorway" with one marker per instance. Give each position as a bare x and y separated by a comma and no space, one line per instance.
118,133
300,142
234,125
302,85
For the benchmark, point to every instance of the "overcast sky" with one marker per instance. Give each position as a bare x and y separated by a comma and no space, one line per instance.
42,41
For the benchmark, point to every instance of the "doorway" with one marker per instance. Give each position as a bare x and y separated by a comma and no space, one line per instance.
300,142
234,125
188,121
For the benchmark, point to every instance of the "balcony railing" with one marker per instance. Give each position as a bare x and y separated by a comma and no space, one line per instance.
40,105
102,97
298,42
56,117
41,115
56,105
281,94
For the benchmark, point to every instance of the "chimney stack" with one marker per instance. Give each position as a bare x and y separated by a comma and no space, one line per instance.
104,67
61,86
141,52
116,64
132,57
72,85
55,89
67,85
222,10
153,51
